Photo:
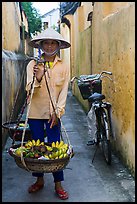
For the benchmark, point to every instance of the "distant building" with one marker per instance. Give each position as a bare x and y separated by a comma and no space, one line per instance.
51,19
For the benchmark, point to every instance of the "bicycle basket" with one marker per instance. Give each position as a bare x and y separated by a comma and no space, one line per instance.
86,87
97,86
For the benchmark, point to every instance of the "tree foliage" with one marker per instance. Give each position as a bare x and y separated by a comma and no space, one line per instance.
34,20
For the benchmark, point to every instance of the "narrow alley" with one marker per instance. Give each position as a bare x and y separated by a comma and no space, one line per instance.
85,181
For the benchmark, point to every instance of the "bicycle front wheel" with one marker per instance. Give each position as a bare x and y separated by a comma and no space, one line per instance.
105,135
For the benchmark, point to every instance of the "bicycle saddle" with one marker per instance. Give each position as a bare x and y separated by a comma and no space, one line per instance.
96,96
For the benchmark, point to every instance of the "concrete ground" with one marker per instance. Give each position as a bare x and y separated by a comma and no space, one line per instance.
85,181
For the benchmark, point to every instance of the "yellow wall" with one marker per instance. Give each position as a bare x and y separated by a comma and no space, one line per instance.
10,26
65,53
113,7
113,49
108,43
11,22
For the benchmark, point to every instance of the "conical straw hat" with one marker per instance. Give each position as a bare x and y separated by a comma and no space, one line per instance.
49,33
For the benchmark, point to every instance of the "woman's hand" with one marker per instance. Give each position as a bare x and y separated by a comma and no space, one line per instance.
38,72
53,119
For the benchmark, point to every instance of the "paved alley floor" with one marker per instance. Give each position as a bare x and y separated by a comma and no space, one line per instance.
85,181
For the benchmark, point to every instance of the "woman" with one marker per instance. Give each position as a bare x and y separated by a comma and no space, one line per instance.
47,106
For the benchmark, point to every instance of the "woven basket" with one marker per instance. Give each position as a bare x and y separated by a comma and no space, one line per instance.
18,133
39,165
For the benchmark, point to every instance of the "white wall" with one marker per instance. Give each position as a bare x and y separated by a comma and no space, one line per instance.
52,18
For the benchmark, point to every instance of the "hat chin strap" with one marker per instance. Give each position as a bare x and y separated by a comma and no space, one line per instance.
52,53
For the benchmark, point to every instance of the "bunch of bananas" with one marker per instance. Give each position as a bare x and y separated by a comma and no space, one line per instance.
33,143
58,150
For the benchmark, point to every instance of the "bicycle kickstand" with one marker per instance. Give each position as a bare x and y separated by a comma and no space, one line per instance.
94,153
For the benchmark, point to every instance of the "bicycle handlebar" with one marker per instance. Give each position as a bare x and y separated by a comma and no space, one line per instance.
105,72
97,76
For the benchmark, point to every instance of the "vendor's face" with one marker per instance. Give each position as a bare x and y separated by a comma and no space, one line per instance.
50,46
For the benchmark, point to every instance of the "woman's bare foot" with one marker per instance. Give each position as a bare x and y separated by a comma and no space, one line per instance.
39,184
62,194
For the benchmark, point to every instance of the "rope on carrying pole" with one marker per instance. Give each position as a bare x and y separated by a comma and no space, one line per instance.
10,118
55,108
26,120
16,97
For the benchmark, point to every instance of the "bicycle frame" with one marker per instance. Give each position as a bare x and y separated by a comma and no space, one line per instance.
98,108
107,106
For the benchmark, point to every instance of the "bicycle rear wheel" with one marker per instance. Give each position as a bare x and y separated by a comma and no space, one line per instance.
105,135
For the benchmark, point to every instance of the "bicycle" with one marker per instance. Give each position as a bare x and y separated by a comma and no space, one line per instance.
90,87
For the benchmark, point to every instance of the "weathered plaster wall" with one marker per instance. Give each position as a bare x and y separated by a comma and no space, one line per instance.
13,86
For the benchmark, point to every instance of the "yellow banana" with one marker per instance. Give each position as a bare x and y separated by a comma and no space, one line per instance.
49,148
38,142
59,152
33,142
65,146
64,150
53,144
57,144
42,143
27,147
50,156
61,143
61,156
28,144
65,155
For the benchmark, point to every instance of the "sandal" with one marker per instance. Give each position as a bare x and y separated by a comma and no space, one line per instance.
62,194
35,187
